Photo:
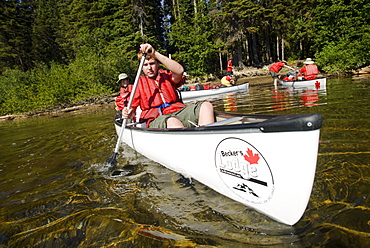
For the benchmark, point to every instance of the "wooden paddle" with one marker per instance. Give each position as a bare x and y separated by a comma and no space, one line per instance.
113,159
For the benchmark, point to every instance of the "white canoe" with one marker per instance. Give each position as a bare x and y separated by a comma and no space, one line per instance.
318,83
265,162
201,94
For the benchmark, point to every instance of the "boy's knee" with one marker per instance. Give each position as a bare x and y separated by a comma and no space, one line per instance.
173,122
207,105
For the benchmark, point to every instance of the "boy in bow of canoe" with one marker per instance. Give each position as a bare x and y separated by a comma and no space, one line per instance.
158,99
121,101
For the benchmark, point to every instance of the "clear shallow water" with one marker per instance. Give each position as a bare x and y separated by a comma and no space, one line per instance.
56,192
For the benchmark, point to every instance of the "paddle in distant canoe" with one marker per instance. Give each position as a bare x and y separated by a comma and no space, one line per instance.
266,162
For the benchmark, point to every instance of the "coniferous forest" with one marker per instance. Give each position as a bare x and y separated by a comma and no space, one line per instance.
55,52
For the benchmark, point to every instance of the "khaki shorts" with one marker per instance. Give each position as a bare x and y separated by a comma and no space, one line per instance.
273,74
190,112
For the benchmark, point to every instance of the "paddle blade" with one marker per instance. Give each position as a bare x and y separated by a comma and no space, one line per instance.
112,160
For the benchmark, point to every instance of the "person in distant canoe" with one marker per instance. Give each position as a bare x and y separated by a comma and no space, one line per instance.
310,70
184,77
121,101
230,67
276,68
158,99
291,76
227,81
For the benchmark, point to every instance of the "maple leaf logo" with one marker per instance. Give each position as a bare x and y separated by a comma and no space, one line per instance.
251,158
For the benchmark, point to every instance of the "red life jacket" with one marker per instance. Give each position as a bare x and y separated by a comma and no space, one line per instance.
149,95
287,79
229,66
123,98
310,72
277,67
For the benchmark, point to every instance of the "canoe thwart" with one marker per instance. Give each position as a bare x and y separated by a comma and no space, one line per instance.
224,122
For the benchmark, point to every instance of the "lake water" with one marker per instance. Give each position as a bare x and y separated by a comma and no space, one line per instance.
56,192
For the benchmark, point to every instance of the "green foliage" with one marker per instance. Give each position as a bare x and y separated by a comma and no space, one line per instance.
96,39
45,46
52,85
345,56
337,20
14,87
342,35
15,35
195,40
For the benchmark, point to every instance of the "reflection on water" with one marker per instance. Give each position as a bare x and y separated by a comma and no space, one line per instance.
229,103
56,190
291,97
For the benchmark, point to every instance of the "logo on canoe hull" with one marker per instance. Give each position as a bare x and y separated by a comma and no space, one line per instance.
244,170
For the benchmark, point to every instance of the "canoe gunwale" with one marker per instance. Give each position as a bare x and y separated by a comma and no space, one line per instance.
269,123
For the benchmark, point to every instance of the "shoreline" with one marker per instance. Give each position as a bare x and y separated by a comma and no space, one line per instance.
87,104
252,75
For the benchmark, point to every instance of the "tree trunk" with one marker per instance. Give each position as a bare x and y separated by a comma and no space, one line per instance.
256,60
282,49
238,58
277,48
220,55
268,48
141,27
176,9
247,50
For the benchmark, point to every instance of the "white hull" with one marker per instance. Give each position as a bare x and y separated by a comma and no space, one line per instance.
197,94
272,172
319,83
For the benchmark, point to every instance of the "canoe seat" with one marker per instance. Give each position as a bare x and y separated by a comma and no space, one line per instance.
225,122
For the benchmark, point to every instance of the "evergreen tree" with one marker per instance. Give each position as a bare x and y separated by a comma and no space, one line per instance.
192,34
244,20
342,38
45,36
15,34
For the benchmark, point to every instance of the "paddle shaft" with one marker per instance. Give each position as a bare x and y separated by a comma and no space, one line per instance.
136,82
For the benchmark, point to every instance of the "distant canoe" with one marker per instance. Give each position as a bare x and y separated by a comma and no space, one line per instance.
197,94
318,83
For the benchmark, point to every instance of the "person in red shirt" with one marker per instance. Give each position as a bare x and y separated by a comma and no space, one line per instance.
276,68
158,99
230,67
310,70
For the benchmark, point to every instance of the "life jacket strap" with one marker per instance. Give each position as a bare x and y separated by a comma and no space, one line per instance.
162,106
